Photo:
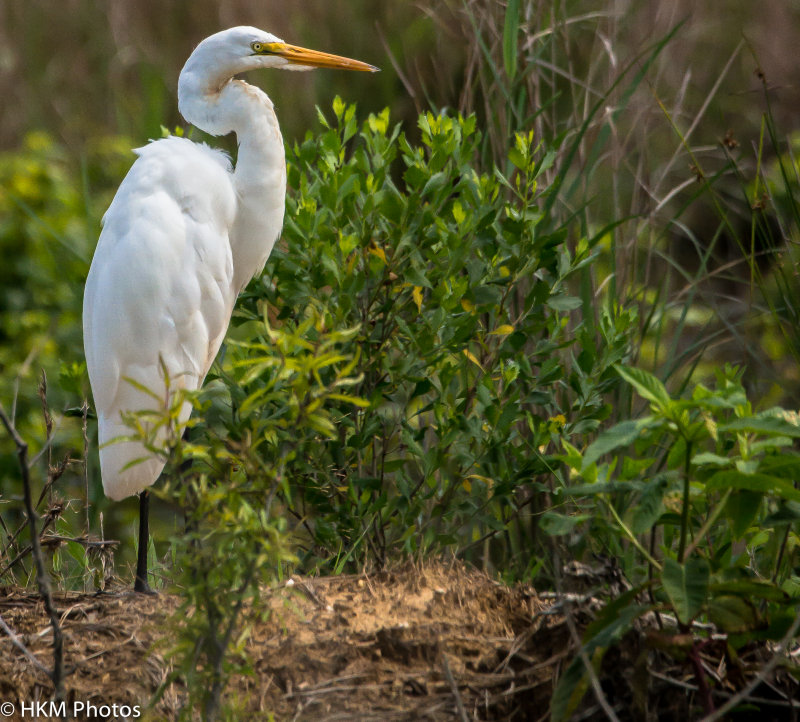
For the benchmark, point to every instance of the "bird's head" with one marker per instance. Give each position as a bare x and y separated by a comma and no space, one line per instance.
237,50
222,56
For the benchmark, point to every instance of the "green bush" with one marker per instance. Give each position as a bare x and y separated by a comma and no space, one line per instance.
234,544
470,349
702,512
393,384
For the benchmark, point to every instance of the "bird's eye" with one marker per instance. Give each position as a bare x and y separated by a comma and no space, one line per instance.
257,47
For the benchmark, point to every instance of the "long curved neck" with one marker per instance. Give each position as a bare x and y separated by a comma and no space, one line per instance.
260,174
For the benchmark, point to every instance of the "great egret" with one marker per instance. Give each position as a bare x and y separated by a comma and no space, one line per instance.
183,236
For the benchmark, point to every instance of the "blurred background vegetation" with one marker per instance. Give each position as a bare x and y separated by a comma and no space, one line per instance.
681,115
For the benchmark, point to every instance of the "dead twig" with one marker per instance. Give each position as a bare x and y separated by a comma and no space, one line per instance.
49,518
42,577
52,514
53,539
448,673
15,640
48,425
763,673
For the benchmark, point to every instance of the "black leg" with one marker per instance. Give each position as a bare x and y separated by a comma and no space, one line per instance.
141,584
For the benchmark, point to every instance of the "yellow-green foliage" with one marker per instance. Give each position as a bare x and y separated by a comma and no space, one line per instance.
50,209
50,206
43,244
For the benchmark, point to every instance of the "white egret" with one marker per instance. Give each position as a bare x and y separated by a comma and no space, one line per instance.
183,236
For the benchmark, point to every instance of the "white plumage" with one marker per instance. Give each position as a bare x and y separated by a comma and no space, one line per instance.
160,287
183,236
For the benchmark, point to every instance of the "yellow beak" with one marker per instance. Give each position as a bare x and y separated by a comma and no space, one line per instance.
314,58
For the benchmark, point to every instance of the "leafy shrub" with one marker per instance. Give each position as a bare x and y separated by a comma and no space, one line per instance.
233,543
459,284
393,382
702,515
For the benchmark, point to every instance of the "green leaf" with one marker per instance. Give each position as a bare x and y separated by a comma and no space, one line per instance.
677,454
555,524
762,483
741,509
564,303
573,457
647,385
435,183
733,614
416,278
651,505
519,161
686,586
355,400
792,587
546,163
785,465
510,38
623,434
78,553
765,423
707,458
750,588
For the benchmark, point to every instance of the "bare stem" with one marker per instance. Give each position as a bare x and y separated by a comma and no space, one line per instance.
685,511
85,410
17,642
48,423
42,577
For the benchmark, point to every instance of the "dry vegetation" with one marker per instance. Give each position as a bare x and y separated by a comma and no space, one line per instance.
415,643
420,642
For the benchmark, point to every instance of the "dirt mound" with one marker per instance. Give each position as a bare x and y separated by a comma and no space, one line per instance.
437,642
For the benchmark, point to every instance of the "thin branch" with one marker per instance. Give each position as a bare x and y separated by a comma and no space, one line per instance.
85,412
84,541
448,673
42,577
15,640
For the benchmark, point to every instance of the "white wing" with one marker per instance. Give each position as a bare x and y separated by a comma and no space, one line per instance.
160,287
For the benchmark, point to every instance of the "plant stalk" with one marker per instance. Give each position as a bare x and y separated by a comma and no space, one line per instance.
687,463
42,577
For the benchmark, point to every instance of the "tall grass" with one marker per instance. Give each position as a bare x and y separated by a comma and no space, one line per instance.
644,147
